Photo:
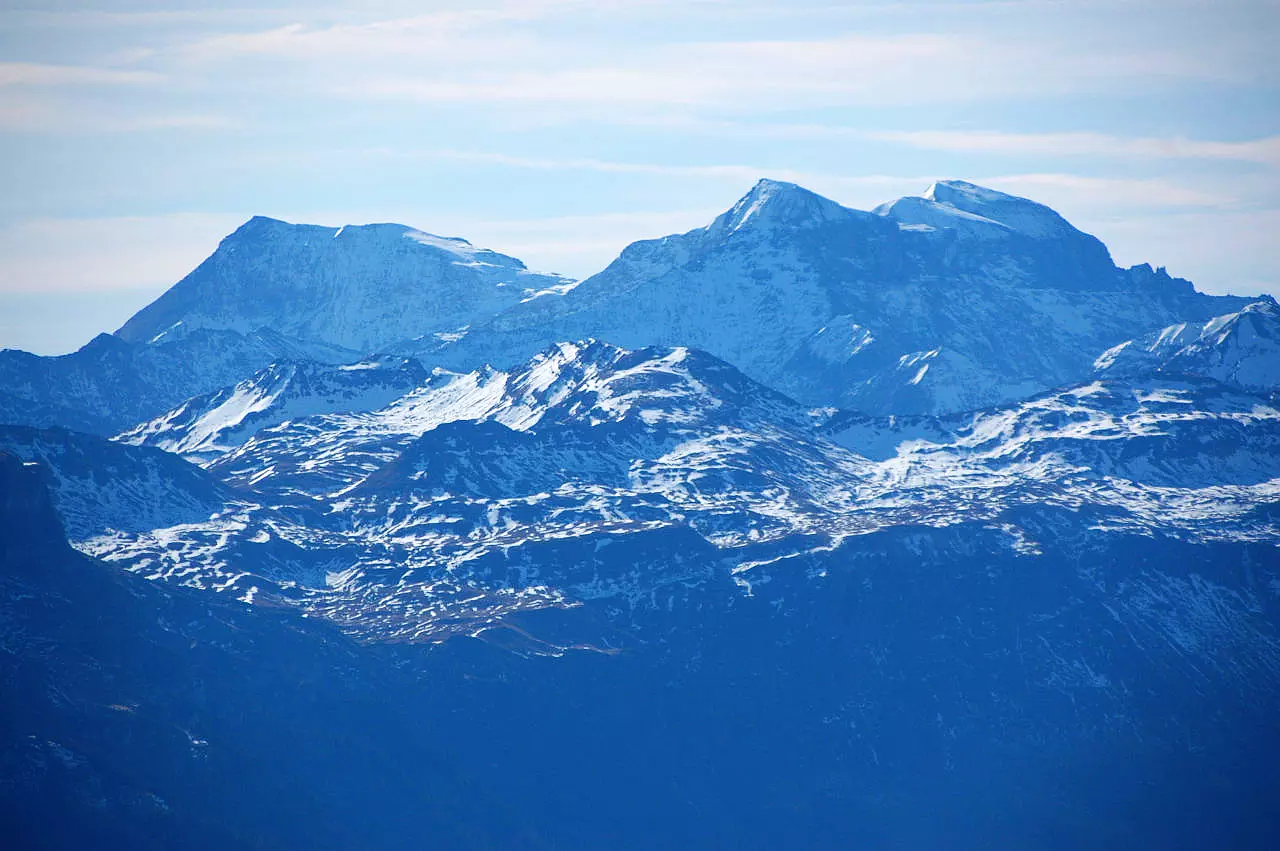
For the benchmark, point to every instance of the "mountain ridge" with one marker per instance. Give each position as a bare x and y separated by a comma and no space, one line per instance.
772,285
821,302
657,439
1241,349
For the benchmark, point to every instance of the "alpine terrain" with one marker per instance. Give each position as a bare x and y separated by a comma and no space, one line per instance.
919,527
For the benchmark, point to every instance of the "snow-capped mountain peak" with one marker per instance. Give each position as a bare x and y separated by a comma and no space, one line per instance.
593,382
828,304
776,203
1241,349
362,287
207,425
976,210
259,231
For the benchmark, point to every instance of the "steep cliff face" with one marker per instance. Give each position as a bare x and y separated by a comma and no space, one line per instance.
98,485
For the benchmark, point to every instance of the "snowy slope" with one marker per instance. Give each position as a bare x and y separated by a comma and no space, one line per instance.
100,486
588,382
959,299
1180,437
975,211
593,473
1241,349
109,384
272,292
358,287
213,423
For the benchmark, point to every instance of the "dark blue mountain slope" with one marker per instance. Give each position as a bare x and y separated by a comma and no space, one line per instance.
141,716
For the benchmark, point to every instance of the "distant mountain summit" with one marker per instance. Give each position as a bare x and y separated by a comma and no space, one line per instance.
1240,349
776,204
271,293
957,299
1048,251
960,205
361,288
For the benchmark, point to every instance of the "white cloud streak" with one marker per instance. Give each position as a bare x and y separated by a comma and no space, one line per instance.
20,112
102,254
1266,150
1071,189
40,74
532,53
1067,191
749,76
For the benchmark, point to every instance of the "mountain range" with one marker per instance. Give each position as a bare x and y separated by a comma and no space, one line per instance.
959,299
925,526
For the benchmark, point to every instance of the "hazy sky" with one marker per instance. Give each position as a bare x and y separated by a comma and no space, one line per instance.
136,134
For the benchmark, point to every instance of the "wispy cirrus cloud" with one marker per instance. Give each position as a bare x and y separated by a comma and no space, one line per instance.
1265,150
41,74
422,37
1076,191
20,113
705,73
104,253
536,53
865,189
490,28
745,76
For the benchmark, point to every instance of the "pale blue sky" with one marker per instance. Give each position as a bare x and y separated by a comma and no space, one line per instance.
135,135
